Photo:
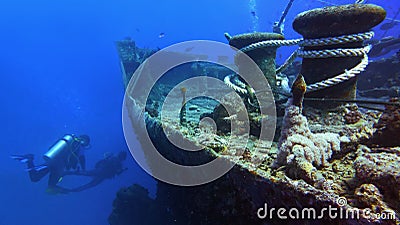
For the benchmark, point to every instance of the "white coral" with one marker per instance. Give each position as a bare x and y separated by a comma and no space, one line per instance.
298,145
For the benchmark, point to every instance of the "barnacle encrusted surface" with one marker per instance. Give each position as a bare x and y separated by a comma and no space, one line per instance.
354,18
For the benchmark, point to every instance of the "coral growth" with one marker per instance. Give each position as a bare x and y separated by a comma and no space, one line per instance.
352,116
369,195
153,108
302,149
219,202
381,169
237,112
388,127
128,207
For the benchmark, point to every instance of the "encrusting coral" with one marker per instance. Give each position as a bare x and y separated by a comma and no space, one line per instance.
369,196
381,168
300,149
388,127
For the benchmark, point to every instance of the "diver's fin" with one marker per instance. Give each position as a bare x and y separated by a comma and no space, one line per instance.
57,190
37,168
22,158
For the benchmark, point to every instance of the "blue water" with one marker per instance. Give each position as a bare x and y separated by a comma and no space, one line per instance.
60,74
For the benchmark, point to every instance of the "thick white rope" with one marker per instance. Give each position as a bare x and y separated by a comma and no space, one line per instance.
337,40
348,74
235,87
270,43
327,53
310,42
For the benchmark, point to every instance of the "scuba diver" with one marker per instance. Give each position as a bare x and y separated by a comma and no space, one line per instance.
107,168
66,154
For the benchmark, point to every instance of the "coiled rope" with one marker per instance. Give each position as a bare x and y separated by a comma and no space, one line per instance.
236,87
348,74
270,43
337,40
327,53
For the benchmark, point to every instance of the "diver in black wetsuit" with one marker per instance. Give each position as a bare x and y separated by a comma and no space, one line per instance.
66,154
106,168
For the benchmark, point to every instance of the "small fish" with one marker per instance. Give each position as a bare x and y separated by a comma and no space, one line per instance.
253,13
388,38
388,25
161,35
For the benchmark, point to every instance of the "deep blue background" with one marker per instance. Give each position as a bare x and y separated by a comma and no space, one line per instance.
60,73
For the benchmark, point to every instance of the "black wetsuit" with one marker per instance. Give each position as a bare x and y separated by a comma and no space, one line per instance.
72,159
104,169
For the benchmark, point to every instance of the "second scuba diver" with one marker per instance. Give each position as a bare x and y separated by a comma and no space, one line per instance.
107,168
